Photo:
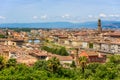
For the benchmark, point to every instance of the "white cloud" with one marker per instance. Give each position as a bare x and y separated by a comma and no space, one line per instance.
2,17
114,15
102,15
43,17
90,16
35,17
66,16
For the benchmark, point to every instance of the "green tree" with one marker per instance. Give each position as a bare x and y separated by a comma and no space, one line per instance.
2,62
63,52
11,62
93,66
73,65
115,59
90,45
40,65
60,51
54,65
82,62
2,36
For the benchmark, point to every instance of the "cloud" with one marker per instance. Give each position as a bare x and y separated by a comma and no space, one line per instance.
35,17
2,17
102,15
43,17
66,16
90,16
114,15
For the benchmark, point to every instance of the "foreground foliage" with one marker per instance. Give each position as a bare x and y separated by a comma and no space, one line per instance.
53,70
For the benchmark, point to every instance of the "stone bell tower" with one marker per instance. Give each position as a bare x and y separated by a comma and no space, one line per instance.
99,26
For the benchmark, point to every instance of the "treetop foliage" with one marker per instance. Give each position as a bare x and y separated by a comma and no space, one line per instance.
53,70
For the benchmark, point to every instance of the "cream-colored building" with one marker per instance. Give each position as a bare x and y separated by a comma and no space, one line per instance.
10,43
96,46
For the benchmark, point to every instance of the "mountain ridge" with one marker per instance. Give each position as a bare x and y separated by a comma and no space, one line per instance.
91,24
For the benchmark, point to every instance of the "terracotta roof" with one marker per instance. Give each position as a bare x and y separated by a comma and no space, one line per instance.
65,58
83,53
81,34
90,53
26,59
38,53
63,36
61,58
116,33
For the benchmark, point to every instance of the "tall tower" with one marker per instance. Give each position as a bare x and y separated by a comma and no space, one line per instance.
6,33
99,26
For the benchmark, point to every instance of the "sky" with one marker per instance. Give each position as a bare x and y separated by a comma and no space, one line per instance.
32,11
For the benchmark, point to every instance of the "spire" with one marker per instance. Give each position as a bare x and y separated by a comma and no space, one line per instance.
99,26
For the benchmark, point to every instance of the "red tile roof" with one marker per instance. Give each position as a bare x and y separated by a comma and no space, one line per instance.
61,58
90,53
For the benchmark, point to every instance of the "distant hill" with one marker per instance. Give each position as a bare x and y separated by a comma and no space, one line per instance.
93,25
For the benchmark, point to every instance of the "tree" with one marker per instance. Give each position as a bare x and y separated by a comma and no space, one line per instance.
73,64
60,51
40,65
63,52
11,62
82,62
2,62
54,64
90,45
93,66
115,59
2,36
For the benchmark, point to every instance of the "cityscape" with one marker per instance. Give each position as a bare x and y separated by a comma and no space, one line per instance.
59,47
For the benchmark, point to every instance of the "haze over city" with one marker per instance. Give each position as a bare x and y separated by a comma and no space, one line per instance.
29,11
